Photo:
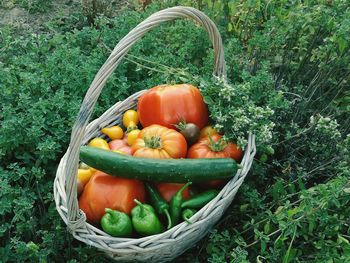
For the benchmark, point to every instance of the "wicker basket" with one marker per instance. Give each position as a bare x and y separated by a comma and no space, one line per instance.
175,241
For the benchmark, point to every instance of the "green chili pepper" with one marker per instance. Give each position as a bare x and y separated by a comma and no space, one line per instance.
187,214
144,219
175,205
159,204
200,200
115,223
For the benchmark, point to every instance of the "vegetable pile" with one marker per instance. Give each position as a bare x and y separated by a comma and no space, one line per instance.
163,165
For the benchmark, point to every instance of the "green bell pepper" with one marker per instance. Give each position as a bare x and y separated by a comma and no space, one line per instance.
115,223
145,220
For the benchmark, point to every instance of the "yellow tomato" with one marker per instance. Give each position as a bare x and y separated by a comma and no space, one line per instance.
207,131
114,132
84,175
99,143
132,136
92,169
130,118
86,167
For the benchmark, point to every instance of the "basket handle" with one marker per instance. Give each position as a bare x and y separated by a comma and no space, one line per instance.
72,158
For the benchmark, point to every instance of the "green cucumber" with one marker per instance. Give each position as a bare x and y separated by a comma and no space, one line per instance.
158,170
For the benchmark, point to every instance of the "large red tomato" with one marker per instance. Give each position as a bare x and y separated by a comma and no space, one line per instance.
106,191
159,142
167,105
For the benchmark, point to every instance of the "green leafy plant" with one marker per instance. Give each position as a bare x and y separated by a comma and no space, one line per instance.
288,76
35,6
94,8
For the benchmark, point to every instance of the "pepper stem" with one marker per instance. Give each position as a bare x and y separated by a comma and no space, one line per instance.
142,208
187,220
183,188
166,212
115,216
108,210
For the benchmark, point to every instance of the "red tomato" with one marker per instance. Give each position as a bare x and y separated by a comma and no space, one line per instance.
167,190
106,191
213,147
159,142
167,105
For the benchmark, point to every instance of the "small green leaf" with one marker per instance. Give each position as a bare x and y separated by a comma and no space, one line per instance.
292,212
267,227
229,27
243,207
32,246
311,226
342,43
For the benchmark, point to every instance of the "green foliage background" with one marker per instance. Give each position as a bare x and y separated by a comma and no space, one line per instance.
288,66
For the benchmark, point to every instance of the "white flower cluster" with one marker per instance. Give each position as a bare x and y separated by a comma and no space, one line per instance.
227,92
326,126
265,133
239,109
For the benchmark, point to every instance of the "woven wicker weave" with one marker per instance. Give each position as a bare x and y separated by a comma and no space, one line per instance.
175,241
